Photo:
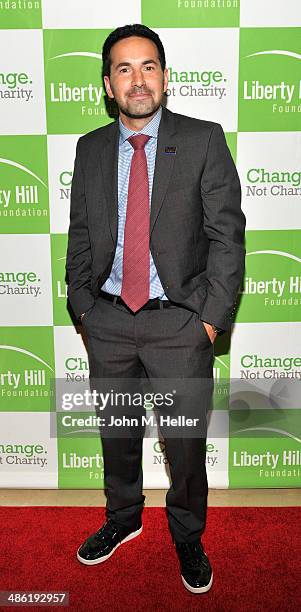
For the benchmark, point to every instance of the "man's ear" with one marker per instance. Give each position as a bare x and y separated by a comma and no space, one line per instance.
108,86
165,80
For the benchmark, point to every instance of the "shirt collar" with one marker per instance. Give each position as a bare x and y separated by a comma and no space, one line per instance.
150,129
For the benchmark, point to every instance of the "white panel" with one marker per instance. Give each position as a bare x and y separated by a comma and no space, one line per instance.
213,50
25,280
218,449
61,155
156,473
265,366
33,461
268,164
22,96
155,465
90,13
71,359
270,13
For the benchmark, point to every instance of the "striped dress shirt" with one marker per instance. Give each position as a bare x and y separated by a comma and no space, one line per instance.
114,283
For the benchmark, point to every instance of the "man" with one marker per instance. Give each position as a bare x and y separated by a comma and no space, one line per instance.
154,264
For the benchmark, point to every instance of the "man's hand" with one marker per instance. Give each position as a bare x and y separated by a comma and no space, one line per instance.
210,331
84,313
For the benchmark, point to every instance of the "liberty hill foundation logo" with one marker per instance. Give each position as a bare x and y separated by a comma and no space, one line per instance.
24,205
80,463
59,287
190,13
26,368
270,91
20,14
271,289
265,448
73,80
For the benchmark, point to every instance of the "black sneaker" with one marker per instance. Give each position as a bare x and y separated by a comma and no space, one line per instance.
196,572
101,545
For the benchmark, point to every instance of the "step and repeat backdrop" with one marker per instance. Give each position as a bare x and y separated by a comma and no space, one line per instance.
236,63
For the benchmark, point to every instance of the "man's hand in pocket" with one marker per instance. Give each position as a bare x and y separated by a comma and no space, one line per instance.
210,331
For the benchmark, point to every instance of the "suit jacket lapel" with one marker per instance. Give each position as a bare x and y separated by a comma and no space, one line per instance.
164,163
109,167
162,173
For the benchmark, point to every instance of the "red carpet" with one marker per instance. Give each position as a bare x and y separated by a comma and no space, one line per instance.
255,554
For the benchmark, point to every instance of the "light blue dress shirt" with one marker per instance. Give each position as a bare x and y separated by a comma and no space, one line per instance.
114,283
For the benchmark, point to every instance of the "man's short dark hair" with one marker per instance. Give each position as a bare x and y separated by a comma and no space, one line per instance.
137,29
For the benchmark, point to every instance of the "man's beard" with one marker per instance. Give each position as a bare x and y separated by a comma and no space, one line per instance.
142,115
150,107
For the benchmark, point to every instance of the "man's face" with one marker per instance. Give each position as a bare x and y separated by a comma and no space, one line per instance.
136,80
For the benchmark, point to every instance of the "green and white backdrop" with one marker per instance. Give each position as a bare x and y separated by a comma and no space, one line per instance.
237,63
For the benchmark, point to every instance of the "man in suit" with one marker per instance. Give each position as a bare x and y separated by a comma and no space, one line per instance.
154,264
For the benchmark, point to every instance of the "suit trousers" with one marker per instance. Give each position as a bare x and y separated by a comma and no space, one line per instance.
169,343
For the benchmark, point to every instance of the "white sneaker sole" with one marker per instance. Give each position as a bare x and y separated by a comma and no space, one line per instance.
131,536
203,589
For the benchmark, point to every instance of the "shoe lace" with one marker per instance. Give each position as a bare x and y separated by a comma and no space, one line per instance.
193,555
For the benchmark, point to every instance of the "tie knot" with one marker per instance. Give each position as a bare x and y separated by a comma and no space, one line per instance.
139,141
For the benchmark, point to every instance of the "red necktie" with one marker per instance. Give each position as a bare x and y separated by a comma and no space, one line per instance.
136,264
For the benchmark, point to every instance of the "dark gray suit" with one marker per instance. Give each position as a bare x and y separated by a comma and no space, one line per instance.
196,223
197,243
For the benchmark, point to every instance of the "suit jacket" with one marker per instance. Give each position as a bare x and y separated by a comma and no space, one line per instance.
196,222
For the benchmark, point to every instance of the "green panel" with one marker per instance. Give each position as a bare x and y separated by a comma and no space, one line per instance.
221,372
80,463
231,138
21,14
26,368
73,81
190,13
269,79
24,202
59,288
272,283
265,448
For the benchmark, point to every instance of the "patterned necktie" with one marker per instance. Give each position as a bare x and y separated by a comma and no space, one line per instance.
136,263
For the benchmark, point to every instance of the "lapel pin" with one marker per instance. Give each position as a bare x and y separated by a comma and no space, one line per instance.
170,150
